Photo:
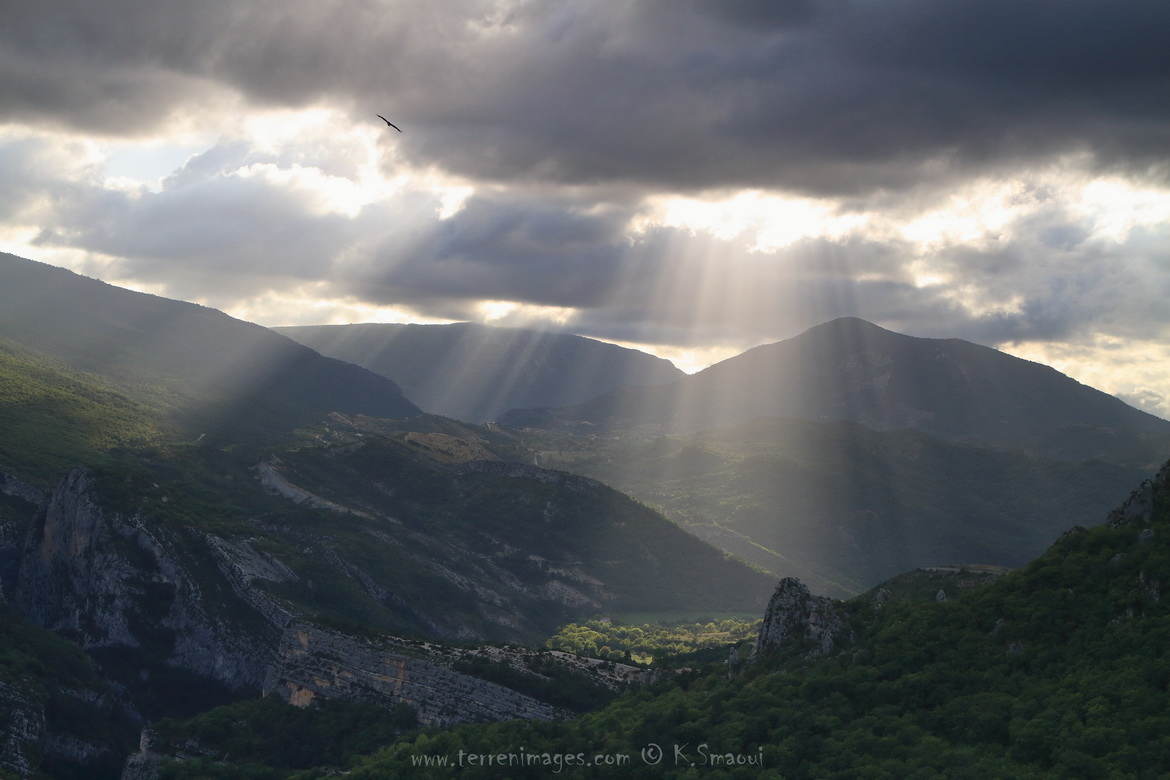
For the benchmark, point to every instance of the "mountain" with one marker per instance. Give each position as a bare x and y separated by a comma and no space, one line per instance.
202,510
1056,670
202,370
476,373
843,506
54,418
850,369
289,545
196,575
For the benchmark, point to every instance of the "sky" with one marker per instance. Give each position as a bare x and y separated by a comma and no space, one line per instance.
689,178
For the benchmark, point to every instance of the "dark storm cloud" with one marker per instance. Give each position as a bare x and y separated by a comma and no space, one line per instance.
827,96
211,231
529,247
559,251
122,66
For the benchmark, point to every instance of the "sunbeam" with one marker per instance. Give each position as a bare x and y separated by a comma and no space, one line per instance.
542,388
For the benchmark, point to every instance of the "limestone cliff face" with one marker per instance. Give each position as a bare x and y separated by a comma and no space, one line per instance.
315,662
158,597
190,600
797,618
48,728
108,580
19,505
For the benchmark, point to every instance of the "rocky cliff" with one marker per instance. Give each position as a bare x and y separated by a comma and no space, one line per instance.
19,505
319,668
153,595
796,618
173,613
57,715
315,662
1139,508
34,737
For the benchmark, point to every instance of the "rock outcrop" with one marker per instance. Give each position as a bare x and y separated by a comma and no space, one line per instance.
315,662
109,580
1138,509
796,618
19,505
152,598
143,765
175,597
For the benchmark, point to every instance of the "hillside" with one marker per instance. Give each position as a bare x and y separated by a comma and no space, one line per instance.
326,557
292,543
197,367
423,526
476,373
54,418
840,505
509,550
850,369
196,575
1056,670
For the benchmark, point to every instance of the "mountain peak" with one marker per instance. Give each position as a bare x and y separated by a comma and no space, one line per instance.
849,331
850,369
849,321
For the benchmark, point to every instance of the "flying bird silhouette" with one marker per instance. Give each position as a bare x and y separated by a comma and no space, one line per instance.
387,121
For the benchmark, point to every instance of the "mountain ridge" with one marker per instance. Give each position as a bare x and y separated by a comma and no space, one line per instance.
851,369
207,371
476,372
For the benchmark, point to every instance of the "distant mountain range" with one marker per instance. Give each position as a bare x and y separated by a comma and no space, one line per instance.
476,373
850,452
850,369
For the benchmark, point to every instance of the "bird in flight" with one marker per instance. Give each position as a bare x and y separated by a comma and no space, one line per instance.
387,121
